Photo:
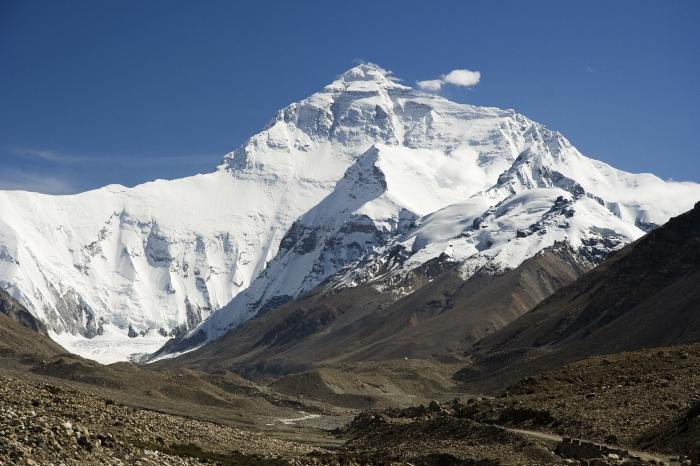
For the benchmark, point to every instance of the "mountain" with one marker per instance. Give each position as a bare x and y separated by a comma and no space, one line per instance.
482,187
364,182
646,295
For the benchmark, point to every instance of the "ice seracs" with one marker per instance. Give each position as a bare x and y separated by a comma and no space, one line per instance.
362,181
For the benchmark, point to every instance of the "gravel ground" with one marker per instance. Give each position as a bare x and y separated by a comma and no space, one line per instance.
47,424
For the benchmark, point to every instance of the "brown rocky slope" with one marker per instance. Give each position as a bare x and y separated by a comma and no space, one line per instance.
21,333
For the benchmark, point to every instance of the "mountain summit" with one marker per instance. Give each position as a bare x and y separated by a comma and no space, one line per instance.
363,182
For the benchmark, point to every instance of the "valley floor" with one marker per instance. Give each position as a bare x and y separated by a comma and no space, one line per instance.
71,411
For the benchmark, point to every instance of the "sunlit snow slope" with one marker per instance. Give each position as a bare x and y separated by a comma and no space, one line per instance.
334,182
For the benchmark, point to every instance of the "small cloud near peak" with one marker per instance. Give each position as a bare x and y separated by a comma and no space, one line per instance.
458,77
430,85
466,78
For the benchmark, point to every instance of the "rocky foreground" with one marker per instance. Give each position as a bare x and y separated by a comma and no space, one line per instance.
45,424
633,409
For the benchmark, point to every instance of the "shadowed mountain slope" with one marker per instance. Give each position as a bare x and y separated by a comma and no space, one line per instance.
21,333
646,295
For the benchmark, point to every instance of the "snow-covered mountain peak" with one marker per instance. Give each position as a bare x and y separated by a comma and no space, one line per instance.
354,111
368,77
366,105
335,182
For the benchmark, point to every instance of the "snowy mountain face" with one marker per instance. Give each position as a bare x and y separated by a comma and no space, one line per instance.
481,187
363,181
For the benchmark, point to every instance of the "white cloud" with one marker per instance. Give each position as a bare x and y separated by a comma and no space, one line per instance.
464,78
460,77
430,85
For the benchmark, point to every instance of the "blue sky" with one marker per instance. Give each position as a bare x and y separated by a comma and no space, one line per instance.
93,93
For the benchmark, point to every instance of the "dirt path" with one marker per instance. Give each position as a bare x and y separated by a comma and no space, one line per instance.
553,438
